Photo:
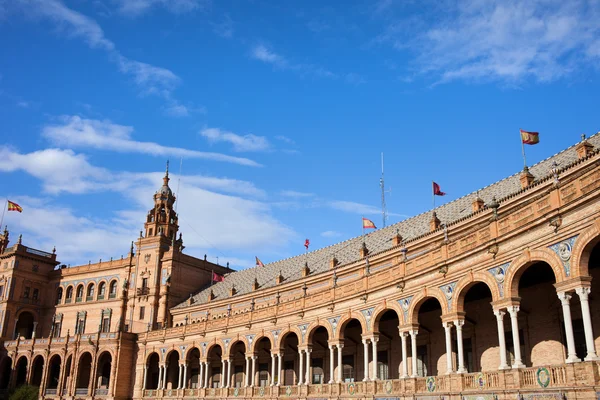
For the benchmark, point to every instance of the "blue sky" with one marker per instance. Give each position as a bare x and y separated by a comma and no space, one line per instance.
279,111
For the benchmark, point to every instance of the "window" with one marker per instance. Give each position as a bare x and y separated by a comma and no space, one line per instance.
26,292
80,324
90,292
59,294
56,329
112,290
101,290
105,324
142,312
69,296
79,294
144,283
36,294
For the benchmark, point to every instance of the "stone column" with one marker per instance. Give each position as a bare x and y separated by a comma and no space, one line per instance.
160,376
571,353
201,375
15,329
340,347
448,329
514,322
366,360
459,340
229,360
165,369
206,374
253,370
223,373
374,341
34,329
403,336
501,340
280,373
179,376
413,349
184,384
331,363
273,369
307,380
300,367
583,293
145,377
247,373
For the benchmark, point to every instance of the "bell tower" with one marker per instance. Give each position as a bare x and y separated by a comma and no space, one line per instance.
162,219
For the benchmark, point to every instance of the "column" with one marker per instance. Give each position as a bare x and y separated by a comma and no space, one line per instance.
15,329
374,343
253,370
201,376
403,336
34,329
229,360
514,322
413,348
247,374
583,294
206,374
223,373
331,363
145,376
273,369
340,347
571,354
160,375
165,369
459,340
501,340
448,329
184,383
366,360
179,376
301,367
308,381
280,373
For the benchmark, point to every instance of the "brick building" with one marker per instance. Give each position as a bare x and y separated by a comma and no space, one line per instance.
489,296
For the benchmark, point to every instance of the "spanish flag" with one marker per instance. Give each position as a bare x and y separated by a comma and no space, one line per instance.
368,224
258,262
530,137
12,206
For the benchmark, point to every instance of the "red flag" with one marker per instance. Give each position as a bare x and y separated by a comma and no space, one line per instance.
437,191
306,243
259,263
12,206
530,137
368,224
217,278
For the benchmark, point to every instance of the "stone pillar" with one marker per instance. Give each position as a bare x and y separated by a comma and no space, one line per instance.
403,336
247,372
179,376
448,329
206,374
300,367
34,329
253,370
459,340
571,353
280,373
366,360
229,360
184,385
201,375
514,322
273,369
413,349
160,376
223,373
331,363
501,340
165,370
374,341
307,380
583,293
340,347
145,377
15,329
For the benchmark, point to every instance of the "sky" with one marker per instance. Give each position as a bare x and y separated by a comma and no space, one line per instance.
274,114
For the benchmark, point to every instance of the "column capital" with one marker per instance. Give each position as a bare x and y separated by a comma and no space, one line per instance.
408,327
513,310
459,323
505,303
365,341
583,292
336,342
447,324
564,298
451,317
370,336
572,284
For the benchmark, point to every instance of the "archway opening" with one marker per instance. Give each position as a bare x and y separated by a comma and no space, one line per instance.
389,354
352,353
24,328
103,373
37,371
84,373
262,375
431,340
540,306
215,367
594,298
291,366
480,323
237,355
320,359
53,373
152,374
21,371
172,371
66,383
5,372
193,368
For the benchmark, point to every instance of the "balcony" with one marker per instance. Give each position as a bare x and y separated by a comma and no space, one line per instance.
143,291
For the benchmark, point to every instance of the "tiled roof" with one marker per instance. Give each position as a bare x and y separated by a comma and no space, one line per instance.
379,240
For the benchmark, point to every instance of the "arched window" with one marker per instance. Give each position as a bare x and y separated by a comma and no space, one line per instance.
101,290
69,296
79,293
112,290
90,292
59,295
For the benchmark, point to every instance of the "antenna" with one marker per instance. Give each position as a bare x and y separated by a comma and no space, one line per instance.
382,184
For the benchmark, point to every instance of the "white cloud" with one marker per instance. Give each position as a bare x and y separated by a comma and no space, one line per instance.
138,7
264,54
23,104
151,79
352,207
75,131
331,234
240,143
499,40
293,193
285,139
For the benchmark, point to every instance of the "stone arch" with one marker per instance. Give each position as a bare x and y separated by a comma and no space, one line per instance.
113,288
419,299
152,374
80,292
582,249
21,368
101,294
59,295
285,333
234,342
69,294
521,263
54,368
382,309
468,281
258,338
169,352
316,325
25,323
211,346
344,319
103,369
37,370
90,291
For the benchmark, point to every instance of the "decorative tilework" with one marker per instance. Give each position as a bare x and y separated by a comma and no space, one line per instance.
303,329
334,323
499,273
250,339
203,347
405,304
226,343
448,291
163,352
276,334
368,314
183,349
86,281
563,250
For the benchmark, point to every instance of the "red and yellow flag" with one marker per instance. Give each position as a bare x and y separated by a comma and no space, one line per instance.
12,206
530,137
368,224
258,262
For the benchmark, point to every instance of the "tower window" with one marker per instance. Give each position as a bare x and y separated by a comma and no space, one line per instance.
36,294
150,232
26,292
142,312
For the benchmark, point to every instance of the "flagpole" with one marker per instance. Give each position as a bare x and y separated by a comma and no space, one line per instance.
433,195
3,211
523,151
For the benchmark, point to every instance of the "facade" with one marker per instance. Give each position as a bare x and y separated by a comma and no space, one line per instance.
491,296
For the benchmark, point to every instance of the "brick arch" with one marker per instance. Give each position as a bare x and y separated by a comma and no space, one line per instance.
344,319
169,352
212,345
109,351
260,337
419,299
316,325
468,281
236,341
190,349
284,333
80,356
147,359
521,263
582,249
59,354
27,358
382,309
